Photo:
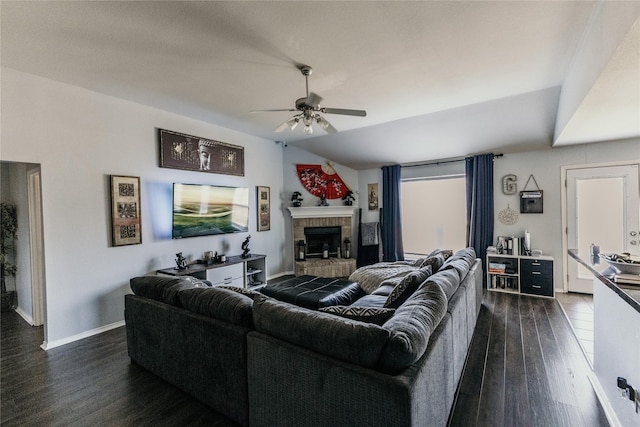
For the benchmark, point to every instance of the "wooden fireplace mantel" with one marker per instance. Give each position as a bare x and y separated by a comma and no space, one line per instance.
321,211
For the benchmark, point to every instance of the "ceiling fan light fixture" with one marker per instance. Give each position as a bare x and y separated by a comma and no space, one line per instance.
293,122
308,129
322,122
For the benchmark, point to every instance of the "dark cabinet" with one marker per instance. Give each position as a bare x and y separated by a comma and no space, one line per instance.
536,277
520,274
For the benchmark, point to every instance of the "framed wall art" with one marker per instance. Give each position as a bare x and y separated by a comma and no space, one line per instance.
188,152
372,195
125,210
264,208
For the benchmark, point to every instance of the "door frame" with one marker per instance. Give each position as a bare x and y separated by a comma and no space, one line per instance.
36,246
563,195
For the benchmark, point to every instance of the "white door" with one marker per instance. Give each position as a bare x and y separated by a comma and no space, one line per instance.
602,209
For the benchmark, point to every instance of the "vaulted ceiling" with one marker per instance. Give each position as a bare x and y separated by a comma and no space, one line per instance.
438,79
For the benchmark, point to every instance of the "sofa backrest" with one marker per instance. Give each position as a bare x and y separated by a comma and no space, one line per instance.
223,303
411,327
461,261
345,339
163,288
219,303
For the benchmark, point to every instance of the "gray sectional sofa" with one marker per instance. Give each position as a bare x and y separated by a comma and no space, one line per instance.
265,362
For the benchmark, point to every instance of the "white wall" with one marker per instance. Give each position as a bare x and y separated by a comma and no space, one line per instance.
545,165
81,137
546,228
366,177
293,156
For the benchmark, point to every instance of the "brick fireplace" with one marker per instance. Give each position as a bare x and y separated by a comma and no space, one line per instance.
323,224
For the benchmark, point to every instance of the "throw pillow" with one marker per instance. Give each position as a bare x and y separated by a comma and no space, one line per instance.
407,287
437,258
375,315
243,291
197,283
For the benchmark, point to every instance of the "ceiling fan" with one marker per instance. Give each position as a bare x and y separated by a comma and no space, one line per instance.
309,110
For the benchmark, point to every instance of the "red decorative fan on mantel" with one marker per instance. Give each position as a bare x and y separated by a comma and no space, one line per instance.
322,179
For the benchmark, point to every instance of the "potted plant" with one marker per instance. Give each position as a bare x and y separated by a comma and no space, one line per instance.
348,198
296,198
8,233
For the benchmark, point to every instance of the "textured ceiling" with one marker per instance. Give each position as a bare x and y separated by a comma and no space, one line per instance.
439,79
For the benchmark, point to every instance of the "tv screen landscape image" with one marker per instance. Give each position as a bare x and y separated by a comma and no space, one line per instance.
203,210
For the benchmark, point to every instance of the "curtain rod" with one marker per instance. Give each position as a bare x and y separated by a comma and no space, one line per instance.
442,162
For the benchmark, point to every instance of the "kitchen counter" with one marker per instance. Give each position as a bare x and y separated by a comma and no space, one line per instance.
616,341
629,293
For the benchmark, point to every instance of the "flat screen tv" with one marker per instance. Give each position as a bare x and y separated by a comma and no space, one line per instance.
203,210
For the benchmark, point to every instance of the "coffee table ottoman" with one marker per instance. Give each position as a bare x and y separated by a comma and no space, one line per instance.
314,292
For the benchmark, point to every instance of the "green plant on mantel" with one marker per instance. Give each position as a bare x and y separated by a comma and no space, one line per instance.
8,233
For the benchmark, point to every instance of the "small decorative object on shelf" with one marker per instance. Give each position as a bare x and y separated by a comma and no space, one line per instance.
301,250
181,261
348,198
325,251
323,200
208,258
245,247
296,198
347,248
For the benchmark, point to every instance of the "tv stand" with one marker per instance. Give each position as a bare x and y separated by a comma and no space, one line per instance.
235,271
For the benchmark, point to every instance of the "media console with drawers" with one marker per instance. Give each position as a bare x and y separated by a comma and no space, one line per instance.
520,274
235,271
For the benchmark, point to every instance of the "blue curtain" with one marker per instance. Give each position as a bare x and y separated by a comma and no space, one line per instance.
479,173
392,249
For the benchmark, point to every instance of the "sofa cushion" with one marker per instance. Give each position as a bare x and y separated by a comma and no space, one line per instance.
461,261
223,304
345,339
164,288
371,301
370,277
448,280
411,326
377,315
407,286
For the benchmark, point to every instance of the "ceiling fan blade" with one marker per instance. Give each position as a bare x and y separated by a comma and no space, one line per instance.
282,127
313,100
343,111
271,111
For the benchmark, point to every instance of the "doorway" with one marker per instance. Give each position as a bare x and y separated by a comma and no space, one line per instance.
36,245
602,208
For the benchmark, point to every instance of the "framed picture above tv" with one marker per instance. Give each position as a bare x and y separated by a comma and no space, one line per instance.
203,210
181,151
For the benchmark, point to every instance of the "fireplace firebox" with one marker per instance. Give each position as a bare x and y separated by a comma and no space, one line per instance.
316,238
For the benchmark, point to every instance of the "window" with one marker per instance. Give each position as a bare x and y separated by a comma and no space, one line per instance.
434,215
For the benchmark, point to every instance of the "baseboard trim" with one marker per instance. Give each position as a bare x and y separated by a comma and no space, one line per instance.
24,315
609,412
48,345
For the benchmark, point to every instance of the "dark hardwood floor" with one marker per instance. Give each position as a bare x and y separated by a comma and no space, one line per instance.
525,369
